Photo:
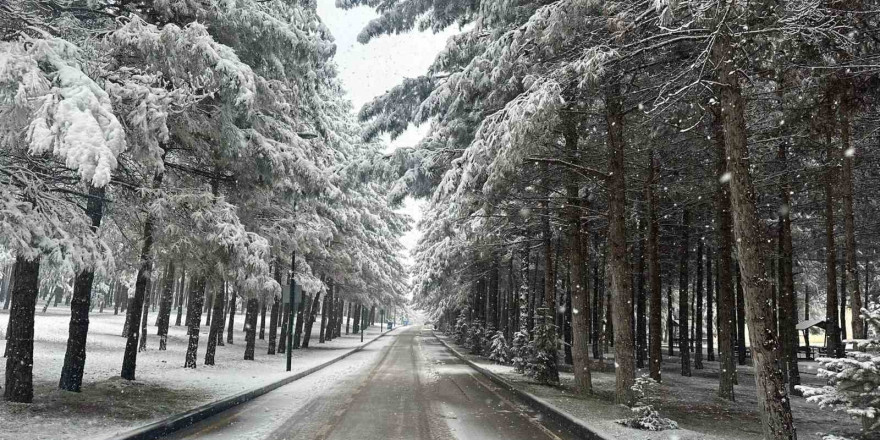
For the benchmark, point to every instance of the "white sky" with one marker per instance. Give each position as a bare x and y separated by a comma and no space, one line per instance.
370,70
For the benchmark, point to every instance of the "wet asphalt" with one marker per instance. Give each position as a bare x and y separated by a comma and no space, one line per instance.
406,385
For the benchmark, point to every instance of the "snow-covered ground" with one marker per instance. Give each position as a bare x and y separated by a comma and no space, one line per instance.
690,401
108,404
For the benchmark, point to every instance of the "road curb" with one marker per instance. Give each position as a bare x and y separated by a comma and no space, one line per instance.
179,421
573,424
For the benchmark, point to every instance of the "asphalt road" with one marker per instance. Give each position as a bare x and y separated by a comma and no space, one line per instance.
404,386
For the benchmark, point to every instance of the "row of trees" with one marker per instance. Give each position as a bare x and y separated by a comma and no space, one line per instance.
657,144
148,146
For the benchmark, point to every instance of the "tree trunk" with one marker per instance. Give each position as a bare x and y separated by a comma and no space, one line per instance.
284,312
142,342
215,332
324,307
710,323
788,308
620,277
698,318
832,319
726,301
230,328
770,388
852,276
165,306
492,311
683,302
20,335
358,314
182,294
136,303
297,333
273,323
263,307
579,256
654,319
194,320
250,333
347,319
78,330
741,317
313,315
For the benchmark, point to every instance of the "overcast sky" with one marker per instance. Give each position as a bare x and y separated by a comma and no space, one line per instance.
369,70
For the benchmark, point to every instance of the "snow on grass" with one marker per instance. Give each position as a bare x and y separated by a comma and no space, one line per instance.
690,401
108,404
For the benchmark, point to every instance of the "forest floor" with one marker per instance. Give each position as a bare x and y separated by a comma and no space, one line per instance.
109,405
690,401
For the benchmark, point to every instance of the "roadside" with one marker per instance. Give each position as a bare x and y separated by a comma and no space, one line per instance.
690,401
109,405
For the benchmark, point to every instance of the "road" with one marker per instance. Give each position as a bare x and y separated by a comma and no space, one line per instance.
403,386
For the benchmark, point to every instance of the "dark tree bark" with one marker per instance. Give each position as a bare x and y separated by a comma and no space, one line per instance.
698,318
726,300
492,311
75,356
653,257
683,302
262,334
164,317
579,297
310,320
750,241
20,332
209,306
620,278
215,332
324,307
740,318
356,326
284,311
182,294
832,318
250,334
136,303
233,300
710,322
297,331
846,177
273,323
142,342
641,302
194,320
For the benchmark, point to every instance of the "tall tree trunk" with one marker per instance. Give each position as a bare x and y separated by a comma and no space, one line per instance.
182,294
215,332
653,246
164,317
324,307
683,301
726,302
641,302
233,300
142,342
750,240
852,276
741,317
136,303
20,332
832,319
310,320
209,306
698,318
710,322
670,321
492,321
347,319
273,323
358,314
620,277
297,333
78,330
284,312
194,320
250,333
263,307
579,257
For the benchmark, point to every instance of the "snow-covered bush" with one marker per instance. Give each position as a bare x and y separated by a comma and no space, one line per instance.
853,382
520,351
647,418
477,338
541,364
499,352
462,330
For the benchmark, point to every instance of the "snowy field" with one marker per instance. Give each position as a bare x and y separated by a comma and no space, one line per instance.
690,401
109,405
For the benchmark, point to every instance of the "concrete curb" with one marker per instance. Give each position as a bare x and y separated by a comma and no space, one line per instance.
179,421
576,426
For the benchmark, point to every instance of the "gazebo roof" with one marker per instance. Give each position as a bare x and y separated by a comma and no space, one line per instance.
804,325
